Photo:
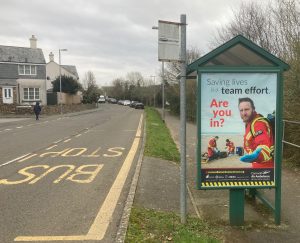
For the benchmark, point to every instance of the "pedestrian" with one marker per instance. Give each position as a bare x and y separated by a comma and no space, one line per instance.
37,110
258,138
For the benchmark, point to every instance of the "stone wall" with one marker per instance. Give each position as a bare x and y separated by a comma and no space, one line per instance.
12,109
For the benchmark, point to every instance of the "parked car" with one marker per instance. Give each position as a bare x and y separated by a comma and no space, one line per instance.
120,102
113,101
139,105
101,99
126,102
132,104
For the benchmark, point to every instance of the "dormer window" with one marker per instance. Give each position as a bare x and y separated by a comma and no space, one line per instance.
27,70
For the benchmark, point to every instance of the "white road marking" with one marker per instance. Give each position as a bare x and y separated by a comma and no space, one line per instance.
26,158
51,147
67,140
19,127
58,141
78,135
11,161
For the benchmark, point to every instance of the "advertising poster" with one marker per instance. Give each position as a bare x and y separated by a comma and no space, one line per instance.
237,129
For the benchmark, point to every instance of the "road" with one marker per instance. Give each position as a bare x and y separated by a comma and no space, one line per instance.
66,178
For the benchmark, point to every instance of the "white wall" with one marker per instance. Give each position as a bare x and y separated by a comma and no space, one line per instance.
52,71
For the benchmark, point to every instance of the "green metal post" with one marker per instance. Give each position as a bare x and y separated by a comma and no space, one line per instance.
278,149
236,207
198,155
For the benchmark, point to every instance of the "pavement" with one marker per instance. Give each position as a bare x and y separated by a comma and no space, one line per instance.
158,187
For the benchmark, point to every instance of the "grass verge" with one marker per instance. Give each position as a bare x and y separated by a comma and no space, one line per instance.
159,143
147,225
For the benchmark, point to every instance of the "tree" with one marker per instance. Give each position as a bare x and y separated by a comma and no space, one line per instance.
172,69
91,91
172,91
68,85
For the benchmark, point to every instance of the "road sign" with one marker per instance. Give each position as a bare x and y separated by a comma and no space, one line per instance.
168,41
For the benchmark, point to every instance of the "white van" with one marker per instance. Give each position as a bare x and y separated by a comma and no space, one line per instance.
101,99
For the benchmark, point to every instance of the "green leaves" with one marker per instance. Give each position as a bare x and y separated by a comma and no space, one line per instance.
68,85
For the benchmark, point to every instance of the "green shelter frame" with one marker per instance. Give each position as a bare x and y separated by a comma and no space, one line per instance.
240,55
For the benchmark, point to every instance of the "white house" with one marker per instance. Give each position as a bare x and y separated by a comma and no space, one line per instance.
52,71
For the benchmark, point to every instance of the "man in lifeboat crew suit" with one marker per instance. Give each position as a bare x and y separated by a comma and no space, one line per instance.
258,138
212,150
229,147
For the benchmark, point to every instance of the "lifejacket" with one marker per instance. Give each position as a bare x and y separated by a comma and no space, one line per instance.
212,143
259,134
230,147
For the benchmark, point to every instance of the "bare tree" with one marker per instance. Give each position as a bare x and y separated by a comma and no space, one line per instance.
91,90
172,69
89,80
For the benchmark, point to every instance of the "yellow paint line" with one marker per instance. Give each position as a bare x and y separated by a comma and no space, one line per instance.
104,215
51,238
51,147
67,140
103,218
26,158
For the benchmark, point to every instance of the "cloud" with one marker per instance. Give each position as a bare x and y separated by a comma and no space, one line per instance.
109,38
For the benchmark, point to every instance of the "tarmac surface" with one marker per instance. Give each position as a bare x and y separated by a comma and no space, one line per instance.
158,188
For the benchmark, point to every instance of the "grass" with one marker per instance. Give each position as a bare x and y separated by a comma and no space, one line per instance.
148,225
159,143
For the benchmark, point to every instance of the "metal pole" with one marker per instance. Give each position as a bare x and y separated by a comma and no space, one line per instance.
60,96
183,120
163,91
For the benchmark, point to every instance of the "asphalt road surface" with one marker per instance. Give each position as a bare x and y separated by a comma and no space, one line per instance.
66,178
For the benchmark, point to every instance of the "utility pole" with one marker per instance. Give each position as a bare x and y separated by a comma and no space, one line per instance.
163,90
183,119
152,76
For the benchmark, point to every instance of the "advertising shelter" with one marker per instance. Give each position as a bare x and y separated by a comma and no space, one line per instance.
239,123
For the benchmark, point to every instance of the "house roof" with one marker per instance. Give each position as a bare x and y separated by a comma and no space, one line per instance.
13,54
71,69
8,82
239,51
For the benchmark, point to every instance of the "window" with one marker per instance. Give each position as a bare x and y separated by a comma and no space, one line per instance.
27,70
31,93
7,93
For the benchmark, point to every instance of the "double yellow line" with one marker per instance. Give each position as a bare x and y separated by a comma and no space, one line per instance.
103,218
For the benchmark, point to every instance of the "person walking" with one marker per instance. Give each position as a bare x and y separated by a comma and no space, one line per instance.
37,110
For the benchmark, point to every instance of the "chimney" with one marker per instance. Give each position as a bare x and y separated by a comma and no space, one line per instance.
51,57
33,41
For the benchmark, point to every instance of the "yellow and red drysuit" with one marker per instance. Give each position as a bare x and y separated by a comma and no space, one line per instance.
258,134
212,145
230,147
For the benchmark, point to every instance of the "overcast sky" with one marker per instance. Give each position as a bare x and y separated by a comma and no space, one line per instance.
108,37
